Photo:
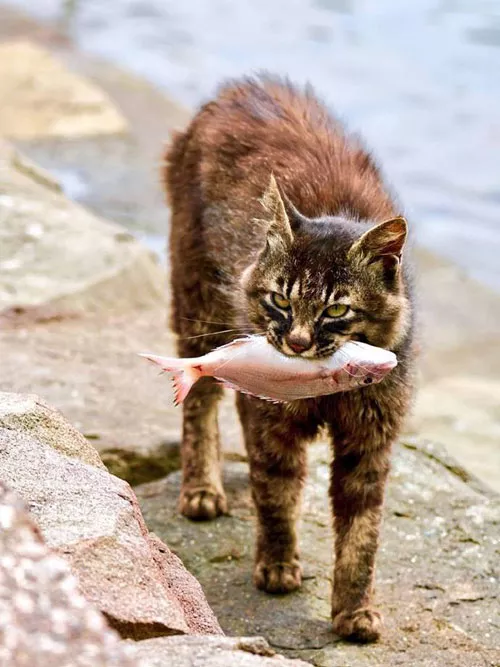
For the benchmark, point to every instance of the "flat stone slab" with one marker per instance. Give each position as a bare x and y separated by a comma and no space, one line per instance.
438,582
209,652
40,97
56,257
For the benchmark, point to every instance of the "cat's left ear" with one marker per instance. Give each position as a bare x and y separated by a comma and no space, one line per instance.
384,243
279,231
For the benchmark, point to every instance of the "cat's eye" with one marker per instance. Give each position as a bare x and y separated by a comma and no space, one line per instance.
280,301
336,310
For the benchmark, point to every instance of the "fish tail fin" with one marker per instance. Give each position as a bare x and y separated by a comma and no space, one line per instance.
184,375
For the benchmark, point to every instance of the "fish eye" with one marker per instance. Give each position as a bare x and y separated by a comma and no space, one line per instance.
280,301
336,310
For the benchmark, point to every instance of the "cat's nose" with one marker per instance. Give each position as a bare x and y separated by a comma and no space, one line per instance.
298,342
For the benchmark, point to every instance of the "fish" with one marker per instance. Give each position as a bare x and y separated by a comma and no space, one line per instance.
253,366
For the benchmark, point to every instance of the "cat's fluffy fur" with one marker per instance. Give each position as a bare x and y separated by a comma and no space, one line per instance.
270,196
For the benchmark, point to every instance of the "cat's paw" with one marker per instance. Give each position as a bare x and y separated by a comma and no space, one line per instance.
202,504
278,577
363,625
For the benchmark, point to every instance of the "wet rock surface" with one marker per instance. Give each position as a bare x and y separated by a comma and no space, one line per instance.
93,519
438,567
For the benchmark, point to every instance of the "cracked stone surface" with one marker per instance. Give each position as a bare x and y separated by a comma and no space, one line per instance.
438,581
210,652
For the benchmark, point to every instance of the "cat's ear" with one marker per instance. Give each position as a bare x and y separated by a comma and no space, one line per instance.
279,232
383,243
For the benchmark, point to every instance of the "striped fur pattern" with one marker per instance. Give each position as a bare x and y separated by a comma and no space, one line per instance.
281,224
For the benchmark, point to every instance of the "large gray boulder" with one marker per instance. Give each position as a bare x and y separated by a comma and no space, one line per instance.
94,520
45,620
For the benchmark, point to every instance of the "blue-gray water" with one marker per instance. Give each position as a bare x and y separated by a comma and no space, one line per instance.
420,79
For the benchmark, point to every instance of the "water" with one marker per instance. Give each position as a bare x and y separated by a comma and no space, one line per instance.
420,80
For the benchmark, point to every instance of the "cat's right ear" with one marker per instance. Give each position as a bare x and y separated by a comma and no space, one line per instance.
279,232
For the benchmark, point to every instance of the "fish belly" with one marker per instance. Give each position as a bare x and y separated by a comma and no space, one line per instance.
286,388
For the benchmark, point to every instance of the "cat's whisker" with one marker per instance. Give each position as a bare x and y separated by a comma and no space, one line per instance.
215,333
189,319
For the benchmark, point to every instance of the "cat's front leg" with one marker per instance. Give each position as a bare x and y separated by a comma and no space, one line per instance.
362,434
276,445
202,496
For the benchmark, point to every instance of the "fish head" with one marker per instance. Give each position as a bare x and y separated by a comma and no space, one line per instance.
368,372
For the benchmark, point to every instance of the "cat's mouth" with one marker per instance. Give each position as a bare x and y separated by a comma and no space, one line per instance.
312,352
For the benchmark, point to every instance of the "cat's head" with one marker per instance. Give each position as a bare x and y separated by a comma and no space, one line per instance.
321,282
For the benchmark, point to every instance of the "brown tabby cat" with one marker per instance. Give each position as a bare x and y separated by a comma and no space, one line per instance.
281,225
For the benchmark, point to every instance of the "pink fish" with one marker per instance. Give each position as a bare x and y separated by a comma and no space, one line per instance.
253,366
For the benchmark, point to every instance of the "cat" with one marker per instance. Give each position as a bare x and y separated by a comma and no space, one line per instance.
282,225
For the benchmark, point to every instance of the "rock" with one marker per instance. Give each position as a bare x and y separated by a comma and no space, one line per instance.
93,519
45,620
30,415
438,566
117,176
209,652
40,97
111,172
57,259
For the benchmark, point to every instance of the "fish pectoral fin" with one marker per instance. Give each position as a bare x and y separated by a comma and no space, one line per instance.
182,382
